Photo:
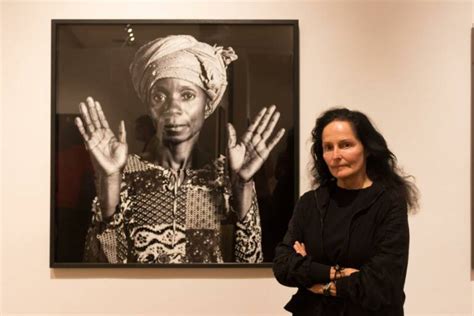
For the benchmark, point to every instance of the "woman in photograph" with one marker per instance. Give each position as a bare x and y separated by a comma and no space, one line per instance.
170,208
346,248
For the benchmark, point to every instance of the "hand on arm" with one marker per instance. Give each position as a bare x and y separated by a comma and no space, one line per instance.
335,273
247,155
338,273
108,154
299,248
318,288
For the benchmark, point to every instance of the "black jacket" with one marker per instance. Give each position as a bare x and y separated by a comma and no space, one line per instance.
376,244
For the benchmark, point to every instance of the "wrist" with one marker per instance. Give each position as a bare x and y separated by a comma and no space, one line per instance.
106,209
238,182
110,178
333,289
327,289
337,272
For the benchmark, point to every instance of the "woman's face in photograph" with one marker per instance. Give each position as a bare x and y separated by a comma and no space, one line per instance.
343,152
177,107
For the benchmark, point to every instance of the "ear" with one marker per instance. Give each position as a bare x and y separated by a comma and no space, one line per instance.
207,108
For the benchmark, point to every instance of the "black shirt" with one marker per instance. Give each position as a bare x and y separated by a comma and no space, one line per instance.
342,205
376,241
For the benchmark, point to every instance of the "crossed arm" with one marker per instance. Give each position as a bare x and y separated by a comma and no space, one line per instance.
335,273
378,282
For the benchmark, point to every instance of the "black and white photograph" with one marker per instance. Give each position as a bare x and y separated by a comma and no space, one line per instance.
174,142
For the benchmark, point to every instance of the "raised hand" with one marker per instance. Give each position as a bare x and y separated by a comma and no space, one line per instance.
108,153
247,155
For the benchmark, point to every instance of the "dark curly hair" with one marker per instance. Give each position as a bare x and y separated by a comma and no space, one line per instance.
381,162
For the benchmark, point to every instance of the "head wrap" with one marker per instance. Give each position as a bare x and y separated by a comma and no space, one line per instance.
182,57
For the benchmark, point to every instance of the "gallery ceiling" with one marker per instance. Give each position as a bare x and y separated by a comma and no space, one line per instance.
115,35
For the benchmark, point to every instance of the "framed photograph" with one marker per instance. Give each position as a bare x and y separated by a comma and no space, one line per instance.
174,142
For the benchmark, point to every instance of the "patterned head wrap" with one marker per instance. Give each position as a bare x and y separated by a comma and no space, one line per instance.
182,57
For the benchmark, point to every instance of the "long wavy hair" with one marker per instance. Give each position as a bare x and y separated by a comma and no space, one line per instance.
381,163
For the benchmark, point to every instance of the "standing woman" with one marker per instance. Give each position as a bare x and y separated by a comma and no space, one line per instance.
346,248
169,208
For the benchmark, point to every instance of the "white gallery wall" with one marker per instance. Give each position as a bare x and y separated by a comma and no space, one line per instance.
406,64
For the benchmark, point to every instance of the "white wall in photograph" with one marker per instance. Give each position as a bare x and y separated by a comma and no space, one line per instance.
405,64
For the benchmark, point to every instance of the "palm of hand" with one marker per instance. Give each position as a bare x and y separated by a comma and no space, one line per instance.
108,153
245,160
248,155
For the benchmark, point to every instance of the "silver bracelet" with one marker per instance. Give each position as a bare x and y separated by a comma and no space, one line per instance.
327,289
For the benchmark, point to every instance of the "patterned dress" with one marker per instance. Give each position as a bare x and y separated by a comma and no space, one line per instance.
160,220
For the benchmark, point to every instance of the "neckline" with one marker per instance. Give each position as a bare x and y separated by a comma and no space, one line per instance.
353,190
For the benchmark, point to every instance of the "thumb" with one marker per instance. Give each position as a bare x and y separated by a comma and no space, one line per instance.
122,132
232,141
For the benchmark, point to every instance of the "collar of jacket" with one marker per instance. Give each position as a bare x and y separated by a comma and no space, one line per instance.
323,194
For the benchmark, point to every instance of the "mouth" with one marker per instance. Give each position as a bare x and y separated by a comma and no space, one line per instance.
175,127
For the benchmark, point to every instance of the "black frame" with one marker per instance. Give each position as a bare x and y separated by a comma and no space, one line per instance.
56,24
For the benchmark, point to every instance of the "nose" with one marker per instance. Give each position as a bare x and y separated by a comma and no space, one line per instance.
173,106
336,153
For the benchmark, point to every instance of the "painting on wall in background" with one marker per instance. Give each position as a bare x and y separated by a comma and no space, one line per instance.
174,142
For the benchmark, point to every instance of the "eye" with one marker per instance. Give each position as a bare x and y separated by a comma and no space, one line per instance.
346,145
188,95
159,97
327,147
